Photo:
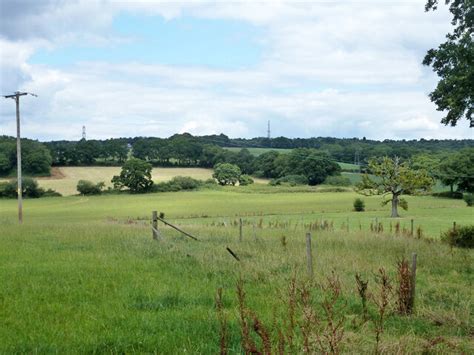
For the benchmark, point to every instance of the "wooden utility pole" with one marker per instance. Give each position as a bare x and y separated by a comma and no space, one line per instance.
16,97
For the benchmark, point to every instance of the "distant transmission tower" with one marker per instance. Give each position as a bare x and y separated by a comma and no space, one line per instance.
84,132
268,131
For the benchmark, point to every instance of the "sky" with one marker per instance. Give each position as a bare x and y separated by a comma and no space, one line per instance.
337,68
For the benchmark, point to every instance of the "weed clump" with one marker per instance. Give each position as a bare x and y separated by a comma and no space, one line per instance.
462,237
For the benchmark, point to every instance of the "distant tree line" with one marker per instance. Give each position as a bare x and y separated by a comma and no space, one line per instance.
308,156
187,150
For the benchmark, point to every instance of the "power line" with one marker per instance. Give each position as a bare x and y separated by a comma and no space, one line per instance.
16,97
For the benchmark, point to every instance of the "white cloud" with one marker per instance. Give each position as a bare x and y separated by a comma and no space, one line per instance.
332,69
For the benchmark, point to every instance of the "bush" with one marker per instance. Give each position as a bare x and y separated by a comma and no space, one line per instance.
462,236
245,180
86,187
29,186
291,180
469,199
179,183
448,194
359,205
337,181
185,182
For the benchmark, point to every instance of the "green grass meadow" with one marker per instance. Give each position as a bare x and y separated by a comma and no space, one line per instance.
83,275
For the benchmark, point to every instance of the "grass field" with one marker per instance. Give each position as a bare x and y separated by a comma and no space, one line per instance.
83,274
64,179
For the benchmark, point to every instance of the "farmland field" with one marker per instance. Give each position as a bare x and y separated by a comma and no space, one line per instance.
83,274
64,179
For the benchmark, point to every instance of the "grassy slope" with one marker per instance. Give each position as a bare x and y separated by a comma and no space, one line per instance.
80,276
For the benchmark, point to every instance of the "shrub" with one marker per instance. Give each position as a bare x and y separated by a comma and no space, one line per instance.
462,236
337,181
359,205
86,187
291,180
469,199
448,194
185,182
245,180
179,183
29,186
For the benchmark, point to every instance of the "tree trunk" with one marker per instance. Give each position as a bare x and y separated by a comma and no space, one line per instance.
452,188
395,206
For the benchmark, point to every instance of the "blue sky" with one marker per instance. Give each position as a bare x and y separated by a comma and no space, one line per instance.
343,69
154,40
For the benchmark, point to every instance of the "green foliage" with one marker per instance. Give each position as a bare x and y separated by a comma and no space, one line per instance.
36,159
180,183
226,173
458,169
30,189
5,164
453,62
86,187
135,175
359,205
313,164
448,194
462,237
291,180
395,179
337,181
245,180
469,199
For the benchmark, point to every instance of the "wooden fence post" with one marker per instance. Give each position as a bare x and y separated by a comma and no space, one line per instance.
154,224
412,282
240,229
454,226
309,255
411,230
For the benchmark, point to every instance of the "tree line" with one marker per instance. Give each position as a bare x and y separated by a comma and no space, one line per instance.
187,150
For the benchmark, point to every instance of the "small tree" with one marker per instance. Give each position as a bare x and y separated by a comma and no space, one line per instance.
136,175
226,174
394,179
359,205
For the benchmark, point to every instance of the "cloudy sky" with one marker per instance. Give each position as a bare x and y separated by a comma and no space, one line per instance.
153,68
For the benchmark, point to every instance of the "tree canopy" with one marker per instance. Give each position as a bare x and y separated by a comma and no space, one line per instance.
226,173
135,175
453,61
394,179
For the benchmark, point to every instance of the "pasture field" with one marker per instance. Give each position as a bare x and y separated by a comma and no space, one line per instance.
82,274
64,179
